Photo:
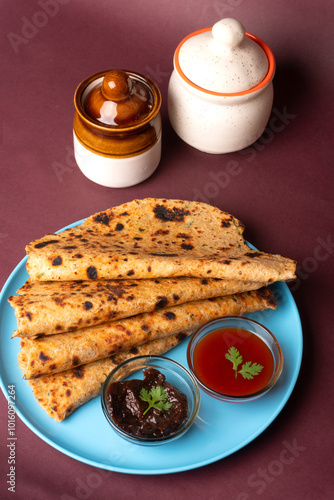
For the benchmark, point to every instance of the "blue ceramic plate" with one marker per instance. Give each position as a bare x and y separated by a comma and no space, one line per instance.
220,429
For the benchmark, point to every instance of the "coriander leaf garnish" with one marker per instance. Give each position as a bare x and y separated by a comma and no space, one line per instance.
234,356
248,370
156,398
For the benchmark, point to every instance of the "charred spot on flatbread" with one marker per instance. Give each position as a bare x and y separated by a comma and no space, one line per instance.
43,244
117,290
78,372
87,305
166,214
111,298
43,357
119,227
69,410
161,232
103,218
170,315
57,261
268,296
75,361
186,246
59,301
28,315
181,336
92,272
161,302
253,254
228,220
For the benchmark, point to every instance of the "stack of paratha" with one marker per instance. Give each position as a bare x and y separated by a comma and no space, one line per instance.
135,279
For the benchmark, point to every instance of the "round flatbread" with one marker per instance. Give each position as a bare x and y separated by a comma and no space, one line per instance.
59,306
153,238
56,353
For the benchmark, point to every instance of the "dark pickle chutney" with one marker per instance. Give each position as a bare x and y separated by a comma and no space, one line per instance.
127,408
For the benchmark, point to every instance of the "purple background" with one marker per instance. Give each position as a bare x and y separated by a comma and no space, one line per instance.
283,192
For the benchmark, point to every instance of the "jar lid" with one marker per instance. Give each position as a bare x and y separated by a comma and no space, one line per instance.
224,59
119,99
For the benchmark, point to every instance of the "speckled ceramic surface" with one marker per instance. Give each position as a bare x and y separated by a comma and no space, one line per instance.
220,93
232,61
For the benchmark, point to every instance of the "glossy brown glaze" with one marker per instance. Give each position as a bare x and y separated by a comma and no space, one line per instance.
119,99
117,85
129,137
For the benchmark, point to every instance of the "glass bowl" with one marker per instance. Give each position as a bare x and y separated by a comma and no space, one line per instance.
235,338
175,374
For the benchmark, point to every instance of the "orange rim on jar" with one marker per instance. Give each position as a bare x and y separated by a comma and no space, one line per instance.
268,77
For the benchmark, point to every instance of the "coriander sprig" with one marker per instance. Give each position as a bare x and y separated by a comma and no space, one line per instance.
156,398
248,370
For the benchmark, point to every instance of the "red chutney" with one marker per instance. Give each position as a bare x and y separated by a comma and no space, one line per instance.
216,372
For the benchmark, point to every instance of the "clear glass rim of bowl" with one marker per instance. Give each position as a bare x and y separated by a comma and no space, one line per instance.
134,365
269,339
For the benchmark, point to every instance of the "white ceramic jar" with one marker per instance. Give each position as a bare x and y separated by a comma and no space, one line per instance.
117,128
220,93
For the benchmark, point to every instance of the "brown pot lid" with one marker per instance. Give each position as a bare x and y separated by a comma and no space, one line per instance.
119,100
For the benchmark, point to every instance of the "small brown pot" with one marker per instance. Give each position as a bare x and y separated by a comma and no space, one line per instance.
122,148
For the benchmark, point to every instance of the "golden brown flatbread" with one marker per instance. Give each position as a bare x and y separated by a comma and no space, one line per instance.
55,307
56,353
60,394
153,238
